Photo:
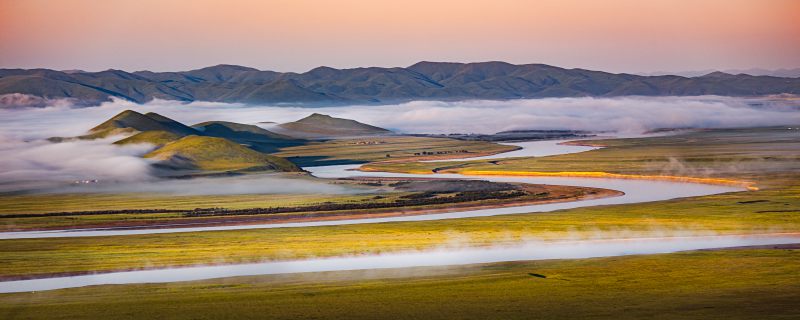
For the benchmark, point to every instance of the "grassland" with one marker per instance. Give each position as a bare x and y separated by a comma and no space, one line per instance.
377,149
377,197
216,154
726,284
773,208
210,153
43,203
732,213
763,155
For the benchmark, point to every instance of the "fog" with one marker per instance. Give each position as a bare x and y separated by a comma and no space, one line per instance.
437,257
36,164
25,156
625,114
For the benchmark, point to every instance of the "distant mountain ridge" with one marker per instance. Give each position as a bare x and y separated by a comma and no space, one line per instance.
421,81
784,73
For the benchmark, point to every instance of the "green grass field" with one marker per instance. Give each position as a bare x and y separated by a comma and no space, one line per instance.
32,204
773,208
723,214
701,285
728,284
763,155
26,212
377,149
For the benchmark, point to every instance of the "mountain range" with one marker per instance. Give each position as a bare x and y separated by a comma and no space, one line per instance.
325,85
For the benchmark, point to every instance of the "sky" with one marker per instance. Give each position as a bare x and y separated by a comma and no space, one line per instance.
298,35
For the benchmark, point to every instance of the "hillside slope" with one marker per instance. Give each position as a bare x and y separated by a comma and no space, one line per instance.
132,121
216,154
254,137
157,138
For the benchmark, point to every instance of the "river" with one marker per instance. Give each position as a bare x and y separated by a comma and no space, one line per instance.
635,191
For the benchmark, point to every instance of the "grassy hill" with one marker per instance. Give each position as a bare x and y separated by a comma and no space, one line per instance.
237,131
216,154
255,137
158,138
212,146
132,121
320,125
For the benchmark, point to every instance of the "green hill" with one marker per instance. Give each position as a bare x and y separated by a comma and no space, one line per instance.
320,125
255,137
158,138
237,131
130,121
216,154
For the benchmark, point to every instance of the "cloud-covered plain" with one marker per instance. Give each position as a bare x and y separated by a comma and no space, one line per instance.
39,163
25,156
44,167
626,114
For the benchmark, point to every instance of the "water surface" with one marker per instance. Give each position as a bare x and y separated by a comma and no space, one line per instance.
530,149
437,257
636,191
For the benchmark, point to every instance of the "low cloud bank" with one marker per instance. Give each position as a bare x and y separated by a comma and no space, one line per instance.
99,166
625,115
19,100
38,163
24,156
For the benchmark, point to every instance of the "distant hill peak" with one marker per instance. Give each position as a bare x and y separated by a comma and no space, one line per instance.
132,121
318,117
227,67
718,74
319,125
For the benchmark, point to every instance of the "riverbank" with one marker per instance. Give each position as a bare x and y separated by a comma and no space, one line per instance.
536,195
723,284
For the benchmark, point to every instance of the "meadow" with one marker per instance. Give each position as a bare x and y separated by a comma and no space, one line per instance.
760,155
405,148
721,284
724,284
321,152
383,197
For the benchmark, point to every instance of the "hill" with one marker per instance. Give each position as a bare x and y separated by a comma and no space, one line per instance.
130,121
216,154
209,147
424,80
238,131
158,138
255,137
320,126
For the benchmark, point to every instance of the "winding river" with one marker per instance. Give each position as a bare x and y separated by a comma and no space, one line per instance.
635,191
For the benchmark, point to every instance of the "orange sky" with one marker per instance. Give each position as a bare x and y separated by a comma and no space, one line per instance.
296,35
